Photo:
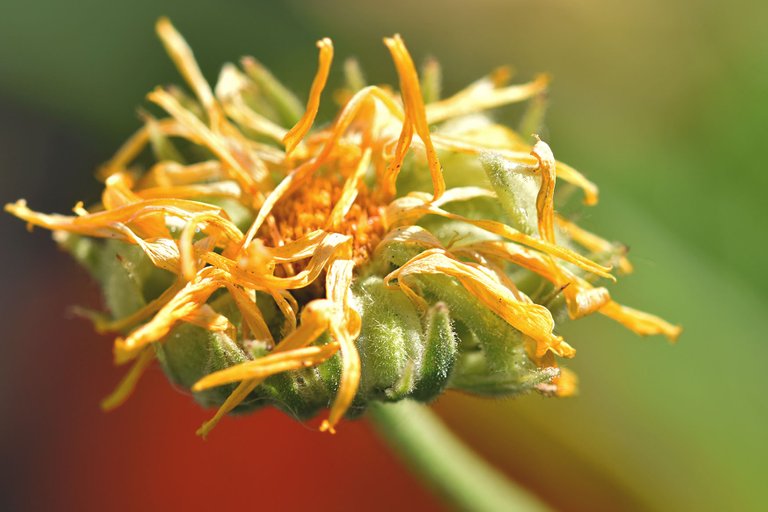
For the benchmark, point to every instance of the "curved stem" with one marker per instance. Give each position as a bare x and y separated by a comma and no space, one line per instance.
455,472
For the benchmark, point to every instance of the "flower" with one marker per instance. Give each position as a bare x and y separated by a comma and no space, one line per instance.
403,248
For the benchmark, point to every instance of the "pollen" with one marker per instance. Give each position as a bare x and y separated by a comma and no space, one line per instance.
309,208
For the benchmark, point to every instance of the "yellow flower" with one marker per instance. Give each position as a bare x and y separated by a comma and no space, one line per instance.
309,233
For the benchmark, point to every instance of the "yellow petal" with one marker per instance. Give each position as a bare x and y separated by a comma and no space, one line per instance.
240,393
393,169
139,315
640,322
204,136
170,174
566,384
414,108
344,328
266,366
497,78
545,199
163,252
410,213
411,234
118,192
206,317
297,133
128,152
182,56
315,318
464,104
592,242
252,316
229,91
103,224
581,297
191,298
213,223
349,192
574,177
469,145
218,189
322,255
129,381
531,319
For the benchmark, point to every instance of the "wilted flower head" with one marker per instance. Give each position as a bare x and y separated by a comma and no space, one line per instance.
410,245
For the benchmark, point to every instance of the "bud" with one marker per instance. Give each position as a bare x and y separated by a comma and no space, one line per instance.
409,247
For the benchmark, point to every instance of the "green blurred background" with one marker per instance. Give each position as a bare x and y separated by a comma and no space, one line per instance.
662,104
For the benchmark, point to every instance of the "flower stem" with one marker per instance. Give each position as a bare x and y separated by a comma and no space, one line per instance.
445,463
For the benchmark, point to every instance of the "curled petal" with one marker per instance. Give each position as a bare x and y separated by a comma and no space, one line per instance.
260,281
349,192
414,109
294,136
268,365
545,200
103,224
592,242
124,390
206,137
229,91
190,299
531,319
581,297
463,104
640,322
345,328
182,56
315,319
566,384
410,213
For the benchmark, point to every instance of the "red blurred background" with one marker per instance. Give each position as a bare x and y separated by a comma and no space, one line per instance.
61,452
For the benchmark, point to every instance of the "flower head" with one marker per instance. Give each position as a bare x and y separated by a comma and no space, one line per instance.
403,248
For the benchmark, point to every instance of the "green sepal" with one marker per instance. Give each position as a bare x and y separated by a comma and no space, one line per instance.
431,81
162,146
532,121
516,189
389,343
240,215
472,376
354,78
491,353
86,251
498,340
121,269
189,353
449,231
273,100
440,351
461,170
303,393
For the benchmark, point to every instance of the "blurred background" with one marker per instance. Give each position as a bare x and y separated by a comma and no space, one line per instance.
662,104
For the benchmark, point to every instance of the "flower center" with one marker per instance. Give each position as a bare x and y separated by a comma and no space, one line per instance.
309,208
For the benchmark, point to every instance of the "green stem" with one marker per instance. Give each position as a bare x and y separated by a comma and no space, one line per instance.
445,463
